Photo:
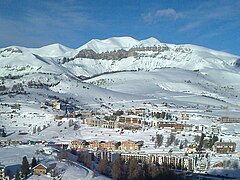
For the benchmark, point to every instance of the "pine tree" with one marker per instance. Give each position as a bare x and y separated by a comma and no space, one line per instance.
159,140
9,173
34,162
25,166
17,175
38,129
63,155
34,129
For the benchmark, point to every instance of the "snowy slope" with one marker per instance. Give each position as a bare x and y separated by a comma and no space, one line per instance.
211,69
116,43
189,57
176,85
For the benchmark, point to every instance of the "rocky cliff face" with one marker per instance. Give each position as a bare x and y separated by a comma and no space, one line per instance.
119,54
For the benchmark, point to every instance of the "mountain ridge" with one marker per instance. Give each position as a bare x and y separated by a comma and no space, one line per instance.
119,71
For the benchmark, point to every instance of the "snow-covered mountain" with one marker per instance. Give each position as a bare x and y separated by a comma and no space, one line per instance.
116,54
116,67
116,43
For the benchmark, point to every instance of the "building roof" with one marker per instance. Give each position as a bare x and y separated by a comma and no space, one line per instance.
40,165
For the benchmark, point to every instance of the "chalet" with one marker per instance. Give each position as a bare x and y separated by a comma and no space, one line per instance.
56,105
225,147
40,169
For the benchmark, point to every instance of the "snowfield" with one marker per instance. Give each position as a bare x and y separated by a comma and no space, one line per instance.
150,74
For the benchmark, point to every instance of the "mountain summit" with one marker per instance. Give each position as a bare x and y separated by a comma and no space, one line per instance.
115,43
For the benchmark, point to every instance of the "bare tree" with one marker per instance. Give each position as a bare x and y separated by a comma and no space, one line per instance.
118,171
170,140
159,140
63,155
103,166
176,142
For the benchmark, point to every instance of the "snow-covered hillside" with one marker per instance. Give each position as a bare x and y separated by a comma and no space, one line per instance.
124,63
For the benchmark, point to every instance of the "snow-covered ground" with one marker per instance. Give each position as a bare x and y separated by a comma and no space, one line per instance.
176,79
11,157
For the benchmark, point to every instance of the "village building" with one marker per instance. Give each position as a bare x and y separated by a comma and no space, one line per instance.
47,150
185,116
172,160
95,121
78,145
94,145
192,148
178,127
225,147
110,146
140,111
129,119
227,119
215,130
130,145
110,124
86,115
104,154
56,105
2,172
218,165
128,126
16,106
198,128
9,142
139,156
40,169
188,127
58,117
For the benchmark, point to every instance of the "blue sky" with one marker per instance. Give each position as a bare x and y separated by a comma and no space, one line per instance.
33,23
